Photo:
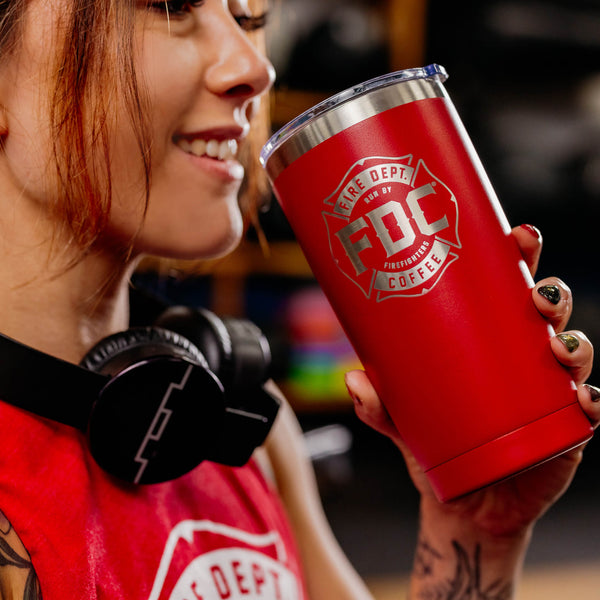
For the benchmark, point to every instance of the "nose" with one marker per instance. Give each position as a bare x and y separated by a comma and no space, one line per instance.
239,69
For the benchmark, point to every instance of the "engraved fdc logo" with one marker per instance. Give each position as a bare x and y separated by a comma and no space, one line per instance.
393,227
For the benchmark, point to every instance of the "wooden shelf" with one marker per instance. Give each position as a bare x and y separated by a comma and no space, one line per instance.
406,33
278,258
406,27
228,275
288,104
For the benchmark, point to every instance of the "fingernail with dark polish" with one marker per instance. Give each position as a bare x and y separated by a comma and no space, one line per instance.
550,292
534,231
570,341
594,392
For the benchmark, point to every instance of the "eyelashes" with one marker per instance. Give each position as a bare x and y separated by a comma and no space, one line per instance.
180,8
252,23
175,8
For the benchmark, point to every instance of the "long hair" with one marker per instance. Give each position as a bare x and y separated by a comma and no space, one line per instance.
94,70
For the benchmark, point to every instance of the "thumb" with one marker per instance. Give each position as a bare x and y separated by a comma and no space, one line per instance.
368,406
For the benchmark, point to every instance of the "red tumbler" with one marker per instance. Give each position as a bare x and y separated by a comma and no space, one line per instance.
400,225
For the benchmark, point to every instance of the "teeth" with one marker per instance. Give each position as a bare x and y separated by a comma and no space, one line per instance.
212,148
198,147
184,145
227,149
224,150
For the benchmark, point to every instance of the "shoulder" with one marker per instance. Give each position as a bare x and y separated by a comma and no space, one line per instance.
17,575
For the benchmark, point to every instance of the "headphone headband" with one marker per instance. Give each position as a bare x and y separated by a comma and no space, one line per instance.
151,404
46,385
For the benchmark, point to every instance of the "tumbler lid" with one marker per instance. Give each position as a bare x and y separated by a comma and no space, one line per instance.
430,72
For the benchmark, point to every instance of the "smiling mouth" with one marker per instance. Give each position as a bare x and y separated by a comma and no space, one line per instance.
217,149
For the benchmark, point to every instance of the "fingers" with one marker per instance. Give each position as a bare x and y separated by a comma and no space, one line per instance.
367,405
370,411
589,399
574,351
553,298
529,239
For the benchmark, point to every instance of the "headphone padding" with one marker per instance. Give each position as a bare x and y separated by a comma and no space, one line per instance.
207,331
116,352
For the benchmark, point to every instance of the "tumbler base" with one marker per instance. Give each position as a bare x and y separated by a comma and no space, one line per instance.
510,454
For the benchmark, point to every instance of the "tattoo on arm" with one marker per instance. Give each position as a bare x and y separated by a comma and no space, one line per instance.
425,559
9,557
467,580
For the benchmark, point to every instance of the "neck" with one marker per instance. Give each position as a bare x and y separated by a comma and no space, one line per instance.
50,297
62,311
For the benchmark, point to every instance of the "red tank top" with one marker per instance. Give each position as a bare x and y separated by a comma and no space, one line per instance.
216,533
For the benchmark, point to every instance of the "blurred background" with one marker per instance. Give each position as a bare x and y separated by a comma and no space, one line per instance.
525,77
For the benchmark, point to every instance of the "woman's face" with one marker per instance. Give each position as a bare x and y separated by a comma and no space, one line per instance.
203,76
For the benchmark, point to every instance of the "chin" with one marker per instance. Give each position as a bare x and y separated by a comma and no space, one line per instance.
217,246
220,250
217,242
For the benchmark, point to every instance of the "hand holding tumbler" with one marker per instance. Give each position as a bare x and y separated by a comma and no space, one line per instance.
399,223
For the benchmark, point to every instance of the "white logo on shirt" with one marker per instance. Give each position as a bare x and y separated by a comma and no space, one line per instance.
232,572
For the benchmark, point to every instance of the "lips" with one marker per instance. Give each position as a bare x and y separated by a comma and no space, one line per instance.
218,149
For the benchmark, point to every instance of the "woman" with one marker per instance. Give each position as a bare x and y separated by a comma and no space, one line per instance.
120,124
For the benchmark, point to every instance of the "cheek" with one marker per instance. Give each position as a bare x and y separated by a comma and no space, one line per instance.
190,215
28,145
172,75
184,219
28,80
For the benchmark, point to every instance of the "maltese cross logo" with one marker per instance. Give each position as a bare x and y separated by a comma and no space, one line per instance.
393,228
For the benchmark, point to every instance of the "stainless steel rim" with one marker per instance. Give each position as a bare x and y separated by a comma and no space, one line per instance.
349,108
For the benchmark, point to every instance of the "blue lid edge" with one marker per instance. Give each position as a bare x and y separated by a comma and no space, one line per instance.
432,71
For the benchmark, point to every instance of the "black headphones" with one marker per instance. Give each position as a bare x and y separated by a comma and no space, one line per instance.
154,401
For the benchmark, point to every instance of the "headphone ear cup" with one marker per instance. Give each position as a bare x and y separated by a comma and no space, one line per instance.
250,360
236,349
117,352
160,413
239,354
206,331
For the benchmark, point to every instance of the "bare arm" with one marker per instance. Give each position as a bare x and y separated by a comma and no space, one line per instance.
456,561
327,570
17,576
